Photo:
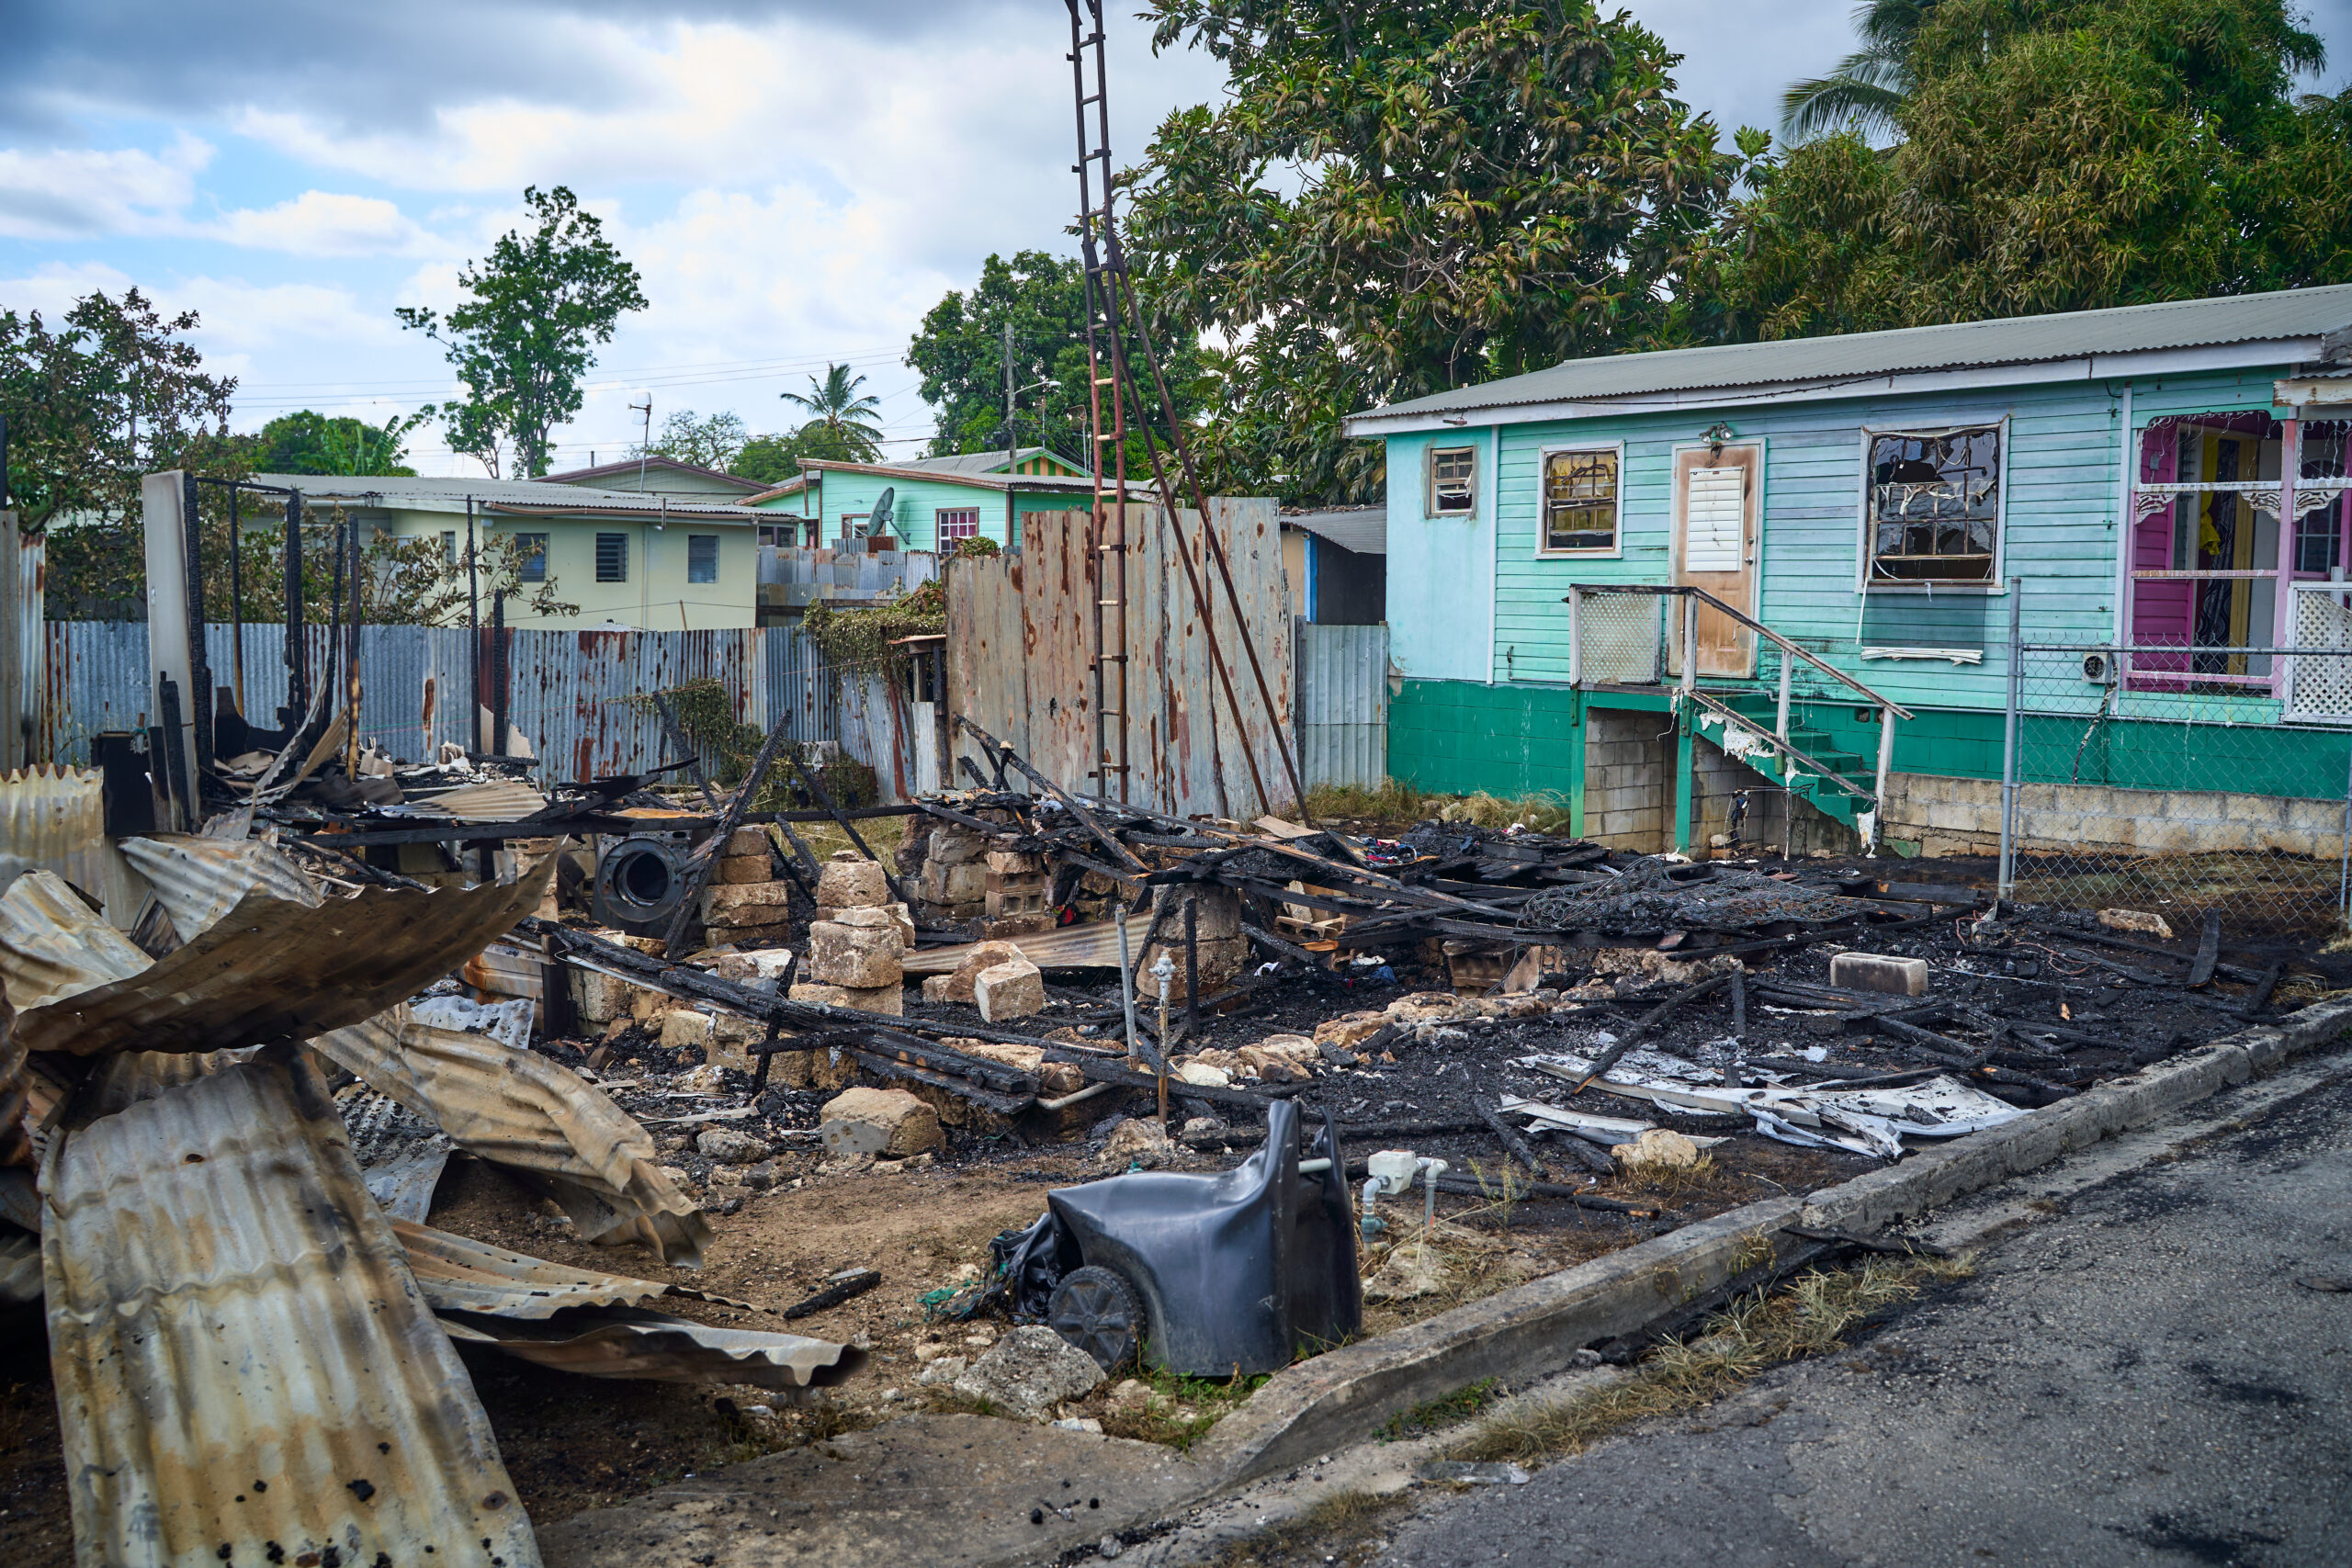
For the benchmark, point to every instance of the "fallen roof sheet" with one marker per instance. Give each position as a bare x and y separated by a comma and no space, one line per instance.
53,945
1866,1120
519,1108
270,969
226,1303
55,820
198,879
1095,945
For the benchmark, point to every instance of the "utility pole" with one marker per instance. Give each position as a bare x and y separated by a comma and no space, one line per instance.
1012,441
645,408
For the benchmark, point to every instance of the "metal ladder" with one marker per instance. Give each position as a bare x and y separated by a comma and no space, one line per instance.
1107,536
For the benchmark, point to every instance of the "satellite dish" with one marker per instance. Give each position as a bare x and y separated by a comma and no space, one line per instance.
881,521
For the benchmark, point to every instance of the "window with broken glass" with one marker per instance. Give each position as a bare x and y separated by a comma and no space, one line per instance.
1580,501
1935,505
1454,481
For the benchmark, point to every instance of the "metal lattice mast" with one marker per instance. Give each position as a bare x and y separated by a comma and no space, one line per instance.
1107,533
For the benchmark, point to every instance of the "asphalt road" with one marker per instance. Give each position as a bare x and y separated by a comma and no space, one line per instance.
2137,1379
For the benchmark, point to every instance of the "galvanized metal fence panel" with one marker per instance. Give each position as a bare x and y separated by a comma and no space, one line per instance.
1342,705
1020,657
569,694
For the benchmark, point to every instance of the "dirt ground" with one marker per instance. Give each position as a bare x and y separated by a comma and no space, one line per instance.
573,1443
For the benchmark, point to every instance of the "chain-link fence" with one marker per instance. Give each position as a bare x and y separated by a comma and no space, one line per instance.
2178,779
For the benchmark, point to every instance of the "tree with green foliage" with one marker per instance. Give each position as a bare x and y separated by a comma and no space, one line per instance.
114,391
523,341
1398,197
707,442
847,416
771,460
305,442
2055,155
960,352
1865,94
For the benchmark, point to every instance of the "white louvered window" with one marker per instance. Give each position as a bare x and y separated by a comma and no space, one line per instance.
1714,520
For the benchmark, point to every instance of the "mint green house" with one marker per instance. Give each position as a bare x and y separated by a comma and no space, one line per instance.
933,501
1770,588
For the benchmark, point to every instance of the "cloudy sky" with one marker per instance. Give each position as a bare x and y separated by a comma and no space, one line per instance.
798,180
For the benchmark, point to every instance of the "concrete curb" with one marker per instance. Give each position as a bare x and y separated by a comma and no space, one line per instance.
1528,1331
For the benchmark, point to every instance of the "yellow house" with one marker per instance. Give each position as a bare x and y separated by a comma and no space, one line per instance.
652,560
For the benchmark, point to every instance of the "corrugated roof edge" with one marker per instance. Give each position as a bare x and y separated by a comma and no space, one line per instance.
2271,318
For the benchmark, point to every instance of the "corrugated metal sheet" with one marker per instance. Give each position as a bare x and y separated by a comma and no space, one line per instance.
2020,340
55,818
53,945
1020,650
596,1324
1095,945
246,1371
268,970
569,694
198,879
1343,704
522,1110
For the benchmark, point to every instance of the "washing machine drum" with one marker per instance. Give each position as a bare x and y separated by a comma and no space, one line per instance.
639,883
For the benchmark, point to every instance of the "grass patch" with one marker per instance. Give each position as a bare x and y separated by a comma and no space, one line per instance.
1181,1410
1341,1528
1546,812
1448,1410
1672,1186
1394,801
1810,1316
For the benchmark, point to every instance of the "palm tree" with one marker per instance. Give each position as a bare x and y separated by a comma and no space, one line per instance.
848,418
1868,89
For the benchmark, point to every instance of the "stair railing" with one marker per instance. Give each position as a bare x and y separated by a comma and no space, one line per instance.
1889,710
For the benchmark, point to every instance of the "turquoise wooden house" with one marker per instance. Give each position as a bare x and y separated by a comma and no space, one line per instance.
932,502
1784,576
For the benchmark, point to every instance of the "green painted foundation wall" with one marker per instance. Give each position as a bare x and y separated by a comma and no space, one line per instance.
1459,737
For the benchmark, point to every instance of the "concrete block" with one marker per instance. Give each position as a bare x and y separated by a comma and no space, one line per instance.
888,1123
1024,898
1879,972
963,882
849,881
737,871
1009,990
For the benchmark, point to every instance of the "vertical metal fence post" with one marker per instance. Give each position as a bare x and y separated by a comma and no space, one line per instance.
2006,888
2344,862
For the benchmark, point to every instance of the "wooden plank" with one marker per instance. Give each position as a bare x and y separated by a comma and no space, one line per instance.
2209,950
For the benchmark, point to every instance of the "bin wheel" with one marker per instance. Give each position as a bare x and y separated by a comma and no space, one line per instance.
1095,1309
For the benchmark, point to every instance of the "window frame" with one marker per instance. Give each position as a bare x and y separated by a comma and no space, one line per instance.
712,540
941,541
1544,455
1430,511
1871,434
623,539
524,565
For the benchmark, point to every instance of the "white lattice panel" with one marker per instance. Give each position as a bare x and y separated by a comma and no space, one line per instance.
2321,685
1617,639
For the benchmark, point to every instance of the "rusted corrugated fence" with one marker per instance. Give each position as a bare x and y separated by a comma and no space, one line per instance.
567,692
1021,651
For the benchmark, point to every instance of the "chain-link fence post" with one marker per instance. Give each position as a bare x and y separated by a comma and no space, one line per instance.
2007,886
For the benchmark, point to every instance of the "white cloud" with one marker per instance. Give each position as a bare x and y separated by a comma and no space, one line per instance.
325,223
73,193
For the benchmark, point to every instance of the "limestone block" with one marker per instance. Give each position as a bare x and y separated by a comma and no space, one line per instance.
748,841
824,996
724,1145
848,881
890,998
1350,1028
762,939
600,999
2138,920
1014,864
983,955
757,903
730,1042
862,954
934,987
1053,1078
1012,928
737,871
888,1123
755,963
684,1029
957,846
1009,990
959,882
